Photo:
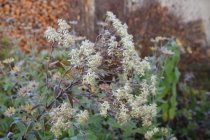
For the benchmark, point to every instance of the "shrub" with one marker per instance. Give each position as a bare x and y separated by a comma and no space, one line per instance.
91,90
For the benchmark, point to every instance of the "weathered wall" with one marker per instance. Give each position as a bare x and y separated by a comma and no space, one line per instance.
190,10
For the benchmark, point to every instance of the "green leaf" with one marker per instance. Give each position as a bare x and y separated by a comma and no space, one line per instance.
71,132
165,112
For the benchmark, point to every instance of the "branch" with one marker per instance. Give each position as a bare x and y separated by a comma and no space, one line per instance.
58,96
59,85
48,63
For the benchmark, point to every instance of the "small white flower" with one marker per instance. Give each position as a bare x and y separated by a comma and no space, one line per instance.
112,45
87,47
94,61
52,35
104,107
75,58
60,118
68,40
63,26
142,66
153,84
122,116
151,133
123,93
90,77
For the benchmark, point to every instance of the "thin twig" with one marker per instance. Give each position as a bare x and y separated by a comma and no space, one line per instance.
48,63
59,85
58,96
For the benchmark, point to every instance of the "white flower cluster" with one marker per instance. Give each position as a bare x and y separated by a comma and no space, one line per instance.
131,60
83,57
52,35
151,133
123,94
104,108
62,35
133,106
90,78
63,26
122,115
94,61
60,118
148,114
87,48
153,85
127,103
134,87
86,57
112,43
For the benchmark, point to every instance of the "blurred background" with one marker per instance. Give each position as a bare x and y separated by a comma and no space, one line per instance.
24,22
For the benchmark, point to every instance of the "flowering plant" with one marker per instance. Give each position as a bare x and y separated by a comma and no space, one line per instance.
105,81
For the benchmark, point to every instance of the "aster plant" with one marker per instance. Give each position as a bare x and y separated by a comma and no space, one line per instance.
106,79
112,61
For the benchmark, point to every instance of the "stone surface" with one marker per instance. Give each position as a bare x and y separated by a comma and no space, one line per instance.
189,10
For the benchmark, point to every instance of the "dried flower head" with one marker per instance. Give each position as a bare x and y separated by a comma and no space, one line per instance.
15,70
26,90
27,108
10,111
26,119
23,91
82,117
8,60
32,85
37,126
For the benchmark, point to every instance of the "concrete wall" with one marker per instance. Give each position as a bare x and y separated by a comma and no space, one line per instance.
189,9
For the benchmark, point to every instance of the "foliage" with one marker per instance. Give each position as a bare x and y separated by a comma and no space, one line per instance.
192,117
85,90
168,84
